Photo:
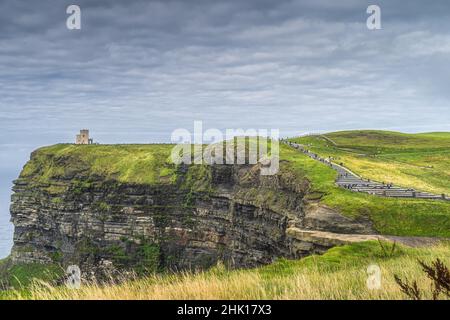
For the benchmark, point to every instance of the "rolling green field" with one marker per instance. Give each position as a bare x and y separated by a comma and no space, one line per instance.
420,161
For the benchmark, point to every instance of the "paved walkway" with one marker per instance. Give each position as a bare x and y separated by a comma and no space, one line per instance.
351,181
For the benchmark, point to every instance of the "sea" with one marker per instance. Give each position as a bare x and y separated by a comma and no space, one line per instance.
6,227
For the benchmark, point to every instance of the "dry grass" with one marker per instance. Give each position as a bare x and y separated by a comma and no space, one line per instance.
310,278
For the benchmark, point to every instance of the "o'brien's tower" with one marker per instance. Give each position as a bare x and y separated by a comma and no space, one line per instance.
83,137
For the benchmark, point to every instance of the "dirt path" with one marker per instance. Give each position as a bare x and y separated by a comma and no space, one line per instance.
332,239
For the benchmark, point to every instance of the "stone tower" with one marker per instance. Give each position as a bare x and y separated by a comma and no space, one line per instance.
83,137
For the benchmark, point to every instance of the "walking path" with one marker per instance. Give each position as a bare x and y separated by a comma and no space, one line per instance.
351,181
329,239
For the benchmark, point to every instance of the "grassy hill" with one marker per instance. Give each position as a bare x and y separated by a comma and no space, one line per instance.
420,161
341,273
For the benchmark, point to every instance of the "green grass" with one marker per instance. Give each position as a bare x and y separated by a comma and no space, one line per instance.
21,275
355,255
420,161
340,273
140,164
403,217
377,139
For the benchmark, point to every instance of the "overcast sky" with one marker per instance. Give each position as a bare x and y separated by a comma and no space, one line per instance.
153,66
137,70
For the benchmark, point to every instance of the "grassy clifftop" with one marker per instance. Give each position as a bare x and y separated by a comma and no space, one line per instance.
146,164
422,160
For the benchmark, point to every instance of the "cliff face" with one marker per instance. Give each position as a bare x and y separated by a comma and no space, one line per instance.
208,213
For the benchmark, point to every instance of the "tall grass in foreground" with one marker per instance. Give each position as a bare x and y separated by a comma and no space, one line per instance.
339,274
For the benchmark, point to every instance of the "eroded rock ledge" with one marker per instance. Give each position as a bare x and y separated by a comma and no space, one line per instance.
228,213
